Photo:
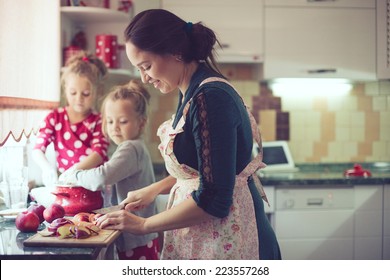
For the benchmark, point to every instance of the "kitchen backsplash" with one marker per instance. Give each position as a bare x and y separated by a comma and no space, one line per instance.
322,128
329,128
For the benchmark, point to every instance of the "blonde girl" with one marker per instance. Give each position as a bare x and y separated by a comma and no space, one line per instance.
76,129
130,168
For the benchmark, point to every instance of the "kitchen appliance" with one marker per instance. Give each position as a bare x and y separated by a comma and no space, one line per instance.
76,199
315,223
107,50
277,157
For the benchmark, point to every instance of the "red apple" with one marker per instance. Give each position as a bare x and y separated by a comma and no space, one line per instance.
27,221
53,212
37,209
81,217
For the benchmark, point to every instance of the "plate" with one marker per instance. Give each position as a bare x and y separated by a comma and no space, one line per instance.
11,213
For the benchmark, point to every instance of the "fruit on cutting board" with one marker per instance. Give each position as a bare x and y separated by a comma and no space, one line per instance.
52,212
27,221
70,228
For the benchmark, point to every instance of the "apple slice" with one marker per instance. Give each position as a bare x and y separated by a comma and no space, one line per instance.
94,229
46,233
64,231
81,232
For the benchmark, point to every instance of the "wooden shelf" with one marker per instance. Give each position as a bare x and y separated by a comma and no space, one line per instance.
93,14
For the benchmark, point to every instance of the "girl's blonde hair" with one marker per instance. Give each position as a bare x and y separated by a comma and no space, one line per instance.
86,65
133,91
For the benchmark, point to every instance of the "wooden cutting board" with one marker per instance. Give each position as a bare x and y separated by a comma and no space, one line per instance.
103,239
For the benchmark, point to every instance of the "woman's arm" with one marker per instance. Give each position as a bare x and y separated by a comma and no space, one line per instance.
184,214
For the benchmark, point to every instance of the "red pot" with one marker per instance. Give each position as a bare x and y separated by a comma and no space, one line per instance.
76,199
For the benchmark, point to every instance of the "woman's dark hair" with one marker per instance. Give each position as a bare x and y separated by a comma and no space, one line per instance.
161,32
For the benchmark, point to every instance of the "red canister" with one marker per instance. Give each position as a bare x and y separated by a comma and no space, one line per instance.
69,52
107,50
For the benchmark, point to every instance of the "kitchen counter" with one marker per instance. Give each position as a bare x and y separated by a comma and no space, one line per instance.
317,174
12,248
327,174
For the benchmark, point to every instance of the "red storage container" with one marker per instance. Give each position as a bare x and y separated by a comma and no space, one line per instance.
69,52
107,50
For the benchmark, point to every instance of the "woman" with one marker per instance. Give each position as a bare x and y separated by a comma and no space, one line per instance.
214,210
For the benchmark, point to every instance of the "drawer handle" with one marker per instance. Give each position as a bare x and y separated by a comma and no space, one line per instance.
321,0
315,201
321,71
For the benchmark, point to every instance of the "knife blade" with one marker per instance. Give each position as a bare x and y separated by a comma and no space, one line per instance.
107,210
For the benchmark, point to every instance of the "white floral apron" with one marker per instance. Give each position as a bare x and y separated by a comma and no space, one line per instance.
232,237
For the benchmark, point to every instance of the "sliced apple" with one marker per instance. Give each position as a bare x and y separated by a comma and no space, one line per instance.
64,231
81,232
46,233
94,229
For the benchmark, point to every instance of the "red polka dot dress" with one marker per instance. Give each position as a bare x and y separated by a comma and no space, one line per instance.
72,142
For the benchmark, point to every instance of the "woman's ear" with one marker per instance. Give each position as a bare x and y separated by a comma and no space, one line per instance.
178,57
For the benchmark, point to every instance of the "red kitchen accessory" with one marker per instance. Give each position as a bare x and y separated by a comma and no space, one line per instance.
77,199
107,50
69,52
357,171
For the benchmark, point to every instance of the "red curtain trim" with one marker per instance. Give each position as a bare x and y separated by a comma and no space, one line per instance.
26,103
16,137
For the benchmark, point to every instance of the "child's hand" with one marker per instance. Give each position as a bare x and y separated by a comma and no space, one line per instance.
139,199
49,177
69,176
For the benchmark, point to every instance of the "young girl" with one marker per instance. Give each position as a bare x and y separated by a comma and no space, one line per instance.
130,167
75,129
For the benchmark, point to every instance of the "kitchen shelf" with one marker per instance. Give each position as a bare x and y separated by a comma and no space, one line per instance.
93,15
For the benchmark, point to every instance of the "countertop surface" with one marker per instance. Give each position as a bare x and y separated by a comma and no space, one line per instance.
12,248
328,174
318,174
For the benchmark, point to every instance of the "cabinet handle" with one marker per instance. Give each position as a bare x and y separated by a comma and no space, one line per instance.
315,201
321,0
320,71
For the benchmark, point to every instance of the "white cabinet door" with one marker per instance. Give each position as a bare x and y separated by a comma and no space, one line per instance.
383,38
386,223
238,25
321,41
368,222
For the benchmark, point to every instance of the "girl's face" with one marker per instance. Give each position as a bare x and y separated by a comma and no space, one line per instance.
164,72
122,122
79,94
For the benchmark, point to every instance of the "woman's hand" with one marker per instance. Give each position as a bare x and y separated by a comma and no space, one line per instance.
122,220
139,199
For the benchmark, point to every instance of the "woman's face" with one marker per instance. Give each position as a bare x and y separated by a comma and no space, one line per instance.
164,72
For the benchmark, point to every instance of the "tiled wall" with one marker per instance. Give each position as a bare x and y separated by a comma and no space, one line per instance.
354,127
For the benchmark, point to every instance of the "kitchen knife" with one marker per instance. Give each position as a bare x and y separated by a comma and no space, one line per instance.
108,209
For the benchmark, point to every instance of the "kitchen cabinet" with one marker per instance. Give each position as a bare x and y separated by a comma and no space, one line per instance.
239,26
386,222
320,39
333,222
368,222
315,222
383,38
93,21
